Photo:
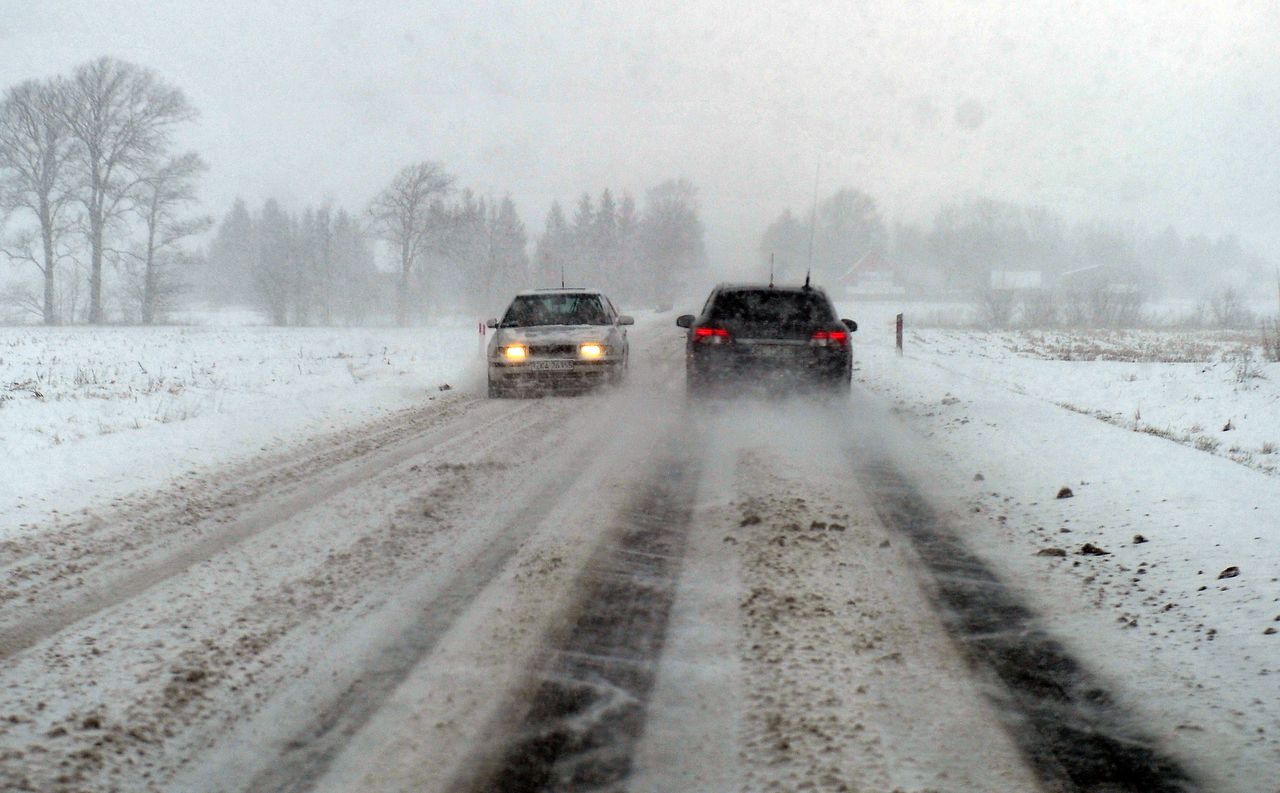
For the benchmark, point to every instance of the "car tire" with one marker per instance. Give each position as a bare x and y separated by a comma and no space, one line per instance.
840,385
496,391
695,384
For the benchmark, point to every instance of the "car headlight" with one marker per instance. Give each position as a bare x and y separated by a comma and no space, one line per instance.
515,352
591,350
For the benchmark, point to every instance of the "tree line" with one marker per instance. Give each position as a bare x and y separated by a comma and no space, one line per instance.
459,251
96,200
451,249
447,250
642,255
1095,272
300,268
90,187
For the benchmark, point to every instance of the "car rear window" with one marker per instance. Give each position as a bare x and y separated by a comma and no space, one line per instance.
555,309
772,307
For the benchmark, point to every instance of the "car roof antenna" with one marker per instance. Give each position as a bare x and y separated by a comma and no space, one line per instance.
770,269
562,276
813,222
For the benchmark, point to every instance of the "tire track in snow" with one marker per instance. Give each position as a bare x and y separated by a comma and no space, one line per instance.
258,517
309,755
1073,733
585,710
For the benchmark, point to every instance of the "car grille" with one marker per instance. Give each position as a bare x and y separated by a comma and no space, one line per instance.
558,350
556,381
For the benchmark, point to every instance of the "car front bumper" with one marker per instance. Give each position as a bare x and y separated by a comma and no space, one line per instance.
553,375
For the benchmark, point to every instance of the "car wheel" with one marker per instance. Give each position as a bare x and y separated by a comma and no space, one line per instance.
695,384
840,385
496,391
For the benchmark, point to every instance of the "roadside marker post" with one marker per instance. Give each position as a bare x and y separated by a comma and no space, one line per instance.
898,327
481,328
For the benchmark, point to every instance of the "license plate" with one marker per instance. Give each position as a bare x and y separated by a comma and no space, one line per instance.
772,351
551,366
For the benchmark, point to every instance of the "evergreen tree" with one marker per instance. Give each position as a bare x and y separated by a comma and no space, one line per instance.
273,261
604,241
230,263
671,240
581,267
554,248
628,251
510,261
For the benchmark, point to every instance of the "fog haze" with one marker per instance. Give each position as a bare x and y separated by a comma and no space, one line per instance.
1134,111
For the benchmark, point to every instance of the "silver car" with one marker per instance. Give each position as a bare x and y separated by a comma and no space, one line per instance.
557,340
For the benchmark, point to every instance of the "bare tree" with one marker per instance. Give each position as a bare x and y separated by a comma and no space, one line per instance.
1227,309
34,149
402,216
19,301
995,306
160,197
120,116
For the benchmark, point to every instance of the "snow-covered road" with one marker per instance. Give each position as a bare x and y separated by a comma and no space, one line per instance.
619,590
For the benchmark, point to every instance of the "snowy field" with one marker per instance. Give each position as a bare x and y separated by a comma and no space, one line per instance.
92,411
1209,389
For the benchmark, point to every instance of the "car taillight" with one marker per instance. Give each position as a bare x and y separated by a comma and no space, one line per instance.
830,338
711,335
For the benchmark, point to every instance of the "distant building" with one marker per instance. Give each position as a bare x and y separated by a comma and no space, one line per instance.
1110,278
1017,280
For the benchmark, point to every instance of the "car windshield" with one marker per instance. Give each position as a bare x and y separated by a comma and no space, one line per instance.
555,309
772,307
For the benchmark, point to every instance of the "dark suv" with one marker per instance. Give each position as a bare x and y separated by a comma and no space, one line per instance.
783,337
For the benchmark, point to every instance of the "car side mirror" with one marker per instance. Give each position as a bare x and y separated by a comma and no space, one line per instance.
850,324
626,319
491,323
685,320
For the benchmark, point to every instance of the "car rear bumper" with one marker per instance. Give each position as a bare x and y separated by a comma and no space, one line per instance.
793,360
792,370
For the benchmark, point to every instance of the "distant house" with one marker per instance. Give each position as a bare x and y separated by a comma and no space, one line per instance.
1095,276
873,275
1021,281
1117,280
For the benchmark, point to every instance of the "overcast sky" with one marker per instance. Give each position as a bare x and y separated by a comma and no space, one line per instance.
1144,111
